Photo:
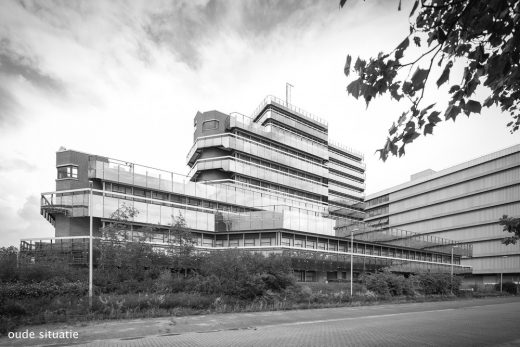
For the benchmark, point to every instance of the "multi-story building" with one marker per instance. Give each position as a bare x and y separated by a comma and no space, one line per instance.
272,182
462,203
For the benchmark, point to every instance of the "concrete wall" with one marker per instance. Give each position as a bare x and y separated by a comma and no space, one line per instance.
78,226
201,118
74,158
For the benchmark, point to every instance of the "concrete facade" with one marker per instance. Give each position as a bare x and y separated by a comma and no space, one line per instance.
461,203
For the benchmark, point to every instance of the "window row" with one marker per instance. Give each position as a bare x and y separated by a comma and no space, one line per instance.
180,199
276,187
278,167
378,200
345,185
378,211
279,147
345,155
346,165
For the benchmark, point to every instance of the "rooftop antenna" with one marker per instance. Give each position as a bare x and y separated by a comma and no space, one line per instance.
288,87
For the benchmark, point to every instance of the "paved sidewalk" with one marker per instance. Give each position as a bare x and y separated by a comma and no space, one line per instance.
336,326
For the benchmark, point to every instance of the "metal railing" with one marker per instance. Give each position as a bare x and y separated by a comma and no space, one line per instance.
273,99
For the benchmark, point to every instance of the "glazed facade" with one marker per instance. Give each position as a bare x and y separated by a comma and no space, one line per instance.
272,182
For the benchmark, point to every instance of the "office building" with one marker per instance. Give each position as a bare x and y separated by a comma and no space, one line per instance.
269,182
462,203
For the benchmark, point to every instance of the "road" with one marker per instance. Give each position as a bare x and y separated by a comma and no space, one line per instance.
482,322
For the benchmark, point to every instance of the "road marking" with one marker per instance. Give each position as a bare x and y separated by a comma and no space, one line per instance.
350,318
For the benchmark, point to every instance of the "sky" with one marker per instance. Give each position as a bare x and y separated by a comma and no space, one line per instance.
124,79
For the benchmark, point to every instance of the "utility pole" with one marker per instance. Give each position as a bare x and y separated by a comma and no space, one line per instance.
352,261
91,250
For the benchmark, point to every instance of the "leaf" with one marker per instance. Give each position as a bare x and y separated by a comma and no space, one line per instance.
391,147
353,88
400,49
424,110
402,118
407,88
392,129
454,88
346,70
383,155
394,91
473,106
452,112
428,128
417,41
359,66
489,101
419,78
401,151
445,74
410,136
403,45
434,117
414,7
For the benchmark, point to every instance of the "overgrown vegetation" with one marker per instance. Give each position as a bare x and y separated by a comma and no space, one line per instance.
132,279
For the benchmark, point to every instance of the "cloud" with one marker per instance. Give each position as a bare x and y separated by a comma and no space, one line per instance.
13,164
16,72
25,222
186,28
12,64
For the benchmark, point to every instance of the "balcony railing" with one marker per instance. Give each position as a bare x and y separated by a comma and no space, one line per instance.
272,99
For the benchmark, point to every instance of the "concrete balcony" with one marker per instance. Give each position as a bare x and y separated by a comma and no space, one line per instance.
259,172
345,190
343,159
286,138
348,171
233,142
346,180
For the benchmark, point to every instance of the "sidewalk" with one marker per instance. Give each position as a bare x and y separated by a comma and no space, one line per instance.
125,330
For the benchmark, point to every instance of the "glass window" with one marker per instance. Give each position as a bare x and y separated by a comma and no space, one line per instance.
210,124
69,171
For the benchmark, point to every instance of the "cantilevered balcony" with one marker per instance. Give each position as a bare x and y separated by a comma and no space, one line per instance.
274,117
287,138
139,176
259,172
341,168
343,159
233,142
343,190
292,109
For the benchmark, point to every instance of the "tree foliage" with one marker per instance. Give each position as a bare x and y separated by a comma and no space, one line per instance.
511,225
481,34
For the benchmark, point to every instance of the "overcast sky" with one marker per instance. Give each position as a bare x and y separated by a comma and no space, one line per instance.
124,79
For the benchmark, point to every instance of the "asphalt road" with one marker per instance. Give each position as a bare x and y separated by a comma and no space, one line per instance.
482,322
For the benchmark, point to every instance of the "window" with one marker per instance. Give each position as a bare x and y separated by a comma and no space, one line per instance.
69,171
209,125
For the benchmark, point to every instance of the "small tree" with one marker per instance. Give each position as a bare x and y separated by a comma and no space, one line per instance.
182,244
8,260
124,253
511,225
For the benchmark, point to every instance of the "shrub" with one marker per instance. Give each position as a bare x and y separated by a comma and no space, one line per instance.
437,283
388,284
508,287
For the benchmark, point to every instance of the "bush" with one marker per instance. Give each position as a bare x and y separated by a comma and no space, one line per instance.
388,284
437,283
508,287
